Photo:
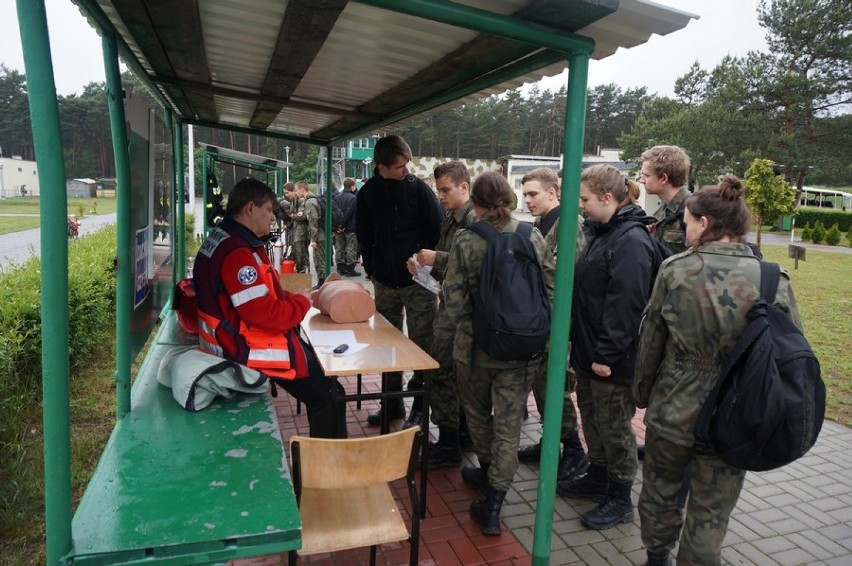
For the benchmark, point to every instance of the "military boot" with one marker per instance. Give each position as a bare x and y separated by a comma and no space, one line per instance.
477,478
618,508
659,558
341,268
573,462
593,485
486,511
445,452
415,418
351,271
530,454
396,410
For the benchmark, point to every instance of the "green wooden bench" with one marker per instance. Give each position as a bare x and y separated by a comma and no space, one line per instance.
187,488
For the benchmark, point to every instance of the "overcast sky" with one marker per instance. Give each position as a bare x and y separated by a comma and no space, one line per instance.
725,27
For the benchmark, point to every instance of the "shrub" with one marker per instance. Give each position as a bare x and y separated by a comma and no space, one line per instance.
828,216
818,233
849,236
807,232
91,321
832,237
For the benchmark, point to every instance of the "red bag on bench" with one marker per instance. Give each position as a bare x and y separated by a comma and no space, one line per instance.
184,303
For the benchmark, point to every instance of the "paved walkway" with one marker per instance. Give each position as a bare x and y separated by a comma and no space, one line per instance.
799,514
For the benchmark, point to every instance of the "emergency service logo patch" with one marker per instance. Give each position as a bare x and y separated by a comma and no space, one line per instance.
247,275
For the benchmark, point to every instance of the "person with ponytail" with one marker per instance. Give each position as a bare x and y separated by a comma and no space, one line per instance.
612,284
696,313
492,392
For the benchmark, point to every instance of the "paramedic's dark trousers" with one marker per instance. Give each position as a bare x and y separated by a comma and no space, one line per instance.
315,393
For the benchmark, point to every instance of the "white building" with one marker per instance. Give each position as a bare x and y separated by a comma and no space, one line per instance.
18,177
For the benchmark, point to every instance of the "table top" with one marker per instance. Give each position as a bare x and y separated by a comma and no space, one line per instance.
388,350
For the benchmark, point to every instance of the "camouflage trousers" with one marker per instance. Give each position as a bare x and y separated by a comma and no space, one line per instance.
417,306
607,410
300,255
569,413
345,248
319,258
443,385
714,489
493,400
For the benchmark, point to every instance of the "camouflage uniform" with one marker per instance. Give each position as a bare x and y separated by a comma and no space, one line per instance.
669,230
696,312
443,385
282,213
490,384
316,233
539,386
301,237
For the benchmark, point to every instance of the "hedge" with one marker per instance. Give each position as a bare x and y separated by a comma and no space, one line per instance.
91,322
828,217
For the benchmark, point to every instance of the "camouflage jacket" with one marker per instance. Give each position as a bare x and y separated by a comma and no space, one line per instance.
316,231
670,228
552,238
461,288
696,313
300,221
282,212
459,218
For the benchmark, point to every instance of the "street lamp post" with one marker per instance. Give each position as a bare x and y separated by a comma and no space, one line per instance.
367,161
287,153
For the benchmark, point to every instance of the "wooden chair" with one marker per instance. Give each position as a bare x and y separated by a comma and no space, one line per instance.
343,492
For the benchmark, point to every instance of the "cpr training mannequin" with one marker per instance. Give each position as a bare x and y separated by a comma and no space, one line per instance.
343,301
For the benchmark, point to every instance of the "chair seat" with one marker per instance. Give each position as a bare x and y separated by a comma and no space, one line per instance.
340,519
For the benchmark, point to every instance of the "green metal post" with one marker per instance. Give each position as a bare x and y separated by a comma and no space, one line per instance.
180,219
56,412
328,208
204,192
124,276
572,164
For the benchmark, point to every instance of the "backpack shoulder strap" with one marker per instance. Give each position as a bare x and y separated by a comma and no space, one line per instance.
770,274
484,229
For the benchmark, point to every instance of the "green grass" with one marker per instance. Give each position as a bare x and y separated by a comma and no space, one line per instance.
824,296
81,207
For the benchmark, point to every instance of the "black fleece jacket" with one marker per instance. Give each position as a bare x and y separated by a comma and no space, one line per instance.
395,219
612,285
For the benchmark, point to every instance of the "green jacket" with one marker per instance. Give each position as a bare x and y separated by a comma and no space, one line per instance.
696,313
461,287
670,228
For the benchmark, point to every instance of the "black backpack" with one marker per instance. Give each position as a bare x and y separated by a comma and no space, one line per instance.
511,317
768,406
337,216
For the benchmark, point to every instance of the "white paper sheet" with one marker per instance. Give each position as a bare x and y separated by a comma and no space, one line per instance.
332,338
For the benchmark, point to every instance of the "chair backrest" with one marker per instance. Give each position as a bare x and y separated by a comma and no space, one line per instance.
353,462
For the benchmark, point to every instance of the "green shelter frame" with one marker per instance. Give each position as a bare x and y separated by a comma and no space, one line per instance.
160,41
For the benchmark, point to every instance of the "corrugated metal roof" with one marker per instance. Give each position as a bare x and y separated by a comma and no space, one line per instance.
325,70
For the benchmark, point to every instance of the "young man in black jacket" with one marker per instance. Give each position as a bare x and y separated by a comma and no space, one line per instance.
397,216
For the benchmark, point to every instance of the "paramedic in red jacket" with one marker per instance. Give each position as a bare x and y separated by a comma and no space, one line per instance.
245,315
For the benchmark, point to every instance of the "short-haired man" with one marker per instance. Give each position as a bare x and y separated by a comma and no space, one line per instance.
345,239
244,315
398,215
541,188
316,228
665,174
453,182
